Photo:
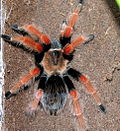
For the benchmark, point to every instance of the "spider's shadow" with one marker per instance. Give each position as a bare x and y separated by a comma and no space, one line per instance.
115,10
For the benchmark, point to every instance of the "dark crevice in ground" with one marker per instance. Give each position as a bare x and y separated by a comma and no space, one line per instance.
112,74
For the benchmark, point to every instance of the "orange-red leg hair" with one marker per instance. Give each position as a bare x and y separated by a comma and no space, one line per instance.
78,76
92,91
69,48
24,42
35,72
77,109
34,104
67,29
28,43
32,30
74,16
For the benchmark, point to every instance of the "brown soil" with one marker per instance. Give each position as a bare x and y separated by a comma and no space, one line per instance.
99,60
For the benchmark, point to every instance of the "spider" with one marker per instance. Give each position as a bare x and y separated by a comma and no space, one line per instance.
52,71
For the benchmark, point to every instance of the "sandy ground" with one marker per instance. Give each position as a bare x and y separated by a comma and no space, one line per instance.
98,60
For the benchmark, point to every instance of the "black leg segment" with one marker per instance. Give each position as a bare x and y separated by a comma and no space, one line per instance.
9,95
17,44
102,108
19,30
65,40
73,73
42,83
69,83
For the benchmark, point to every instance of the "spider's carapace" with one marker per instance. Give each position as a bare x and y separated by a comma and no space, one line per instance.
53,61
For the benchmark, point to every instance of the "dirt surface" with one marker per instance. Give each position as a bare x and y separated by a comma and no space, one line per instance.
99,60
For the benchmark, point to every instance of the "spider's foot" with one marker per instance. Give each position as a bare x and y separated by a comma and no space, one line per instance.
81,122
90,38
102,108
26,87
64,22
9,95
21,31
81,1
14,27
30,112
6,38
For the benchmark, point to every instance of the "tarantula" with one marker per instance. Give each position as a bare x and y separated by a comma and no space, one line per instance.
52,69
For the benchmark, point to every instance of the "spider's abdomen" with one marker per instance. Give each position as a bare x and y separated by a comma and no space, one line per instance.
55,94
54,62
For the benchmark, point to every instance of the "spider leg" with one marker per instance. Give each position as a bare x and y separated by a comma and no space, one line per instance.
69,48
75,102
42,83
25,43
34,104
65,36
67,29
39,93
21,83
80,77
77,108
31,31
74,16
19,30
